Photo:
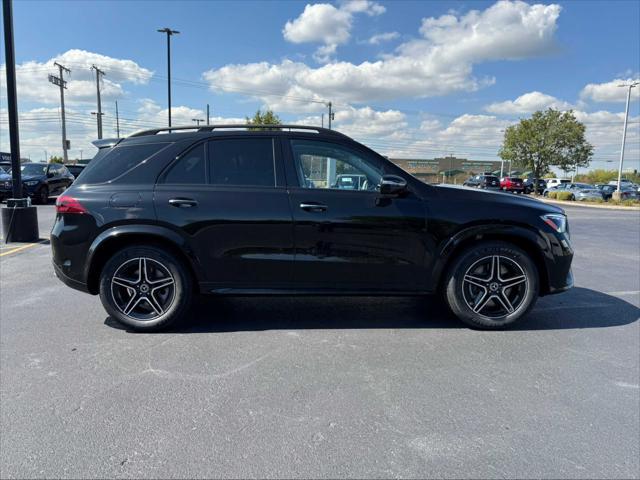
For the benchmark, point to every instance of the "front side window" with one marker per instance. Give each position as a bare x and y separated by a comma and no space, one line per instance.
331,166
189,168
247,162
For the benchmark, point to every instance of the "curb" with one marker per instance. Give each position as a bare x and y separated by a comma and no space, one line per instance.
586,205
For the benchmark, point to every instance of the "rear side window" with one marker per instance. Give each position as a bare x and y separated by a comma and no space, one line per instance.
118,160
245,162
189,168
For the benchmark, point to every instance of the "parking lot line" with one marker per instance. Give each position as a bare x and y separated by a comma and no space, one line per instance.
23,247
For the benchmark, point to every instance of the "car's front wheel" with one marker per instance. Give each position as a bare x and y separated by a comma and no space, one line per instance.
145,288
491,285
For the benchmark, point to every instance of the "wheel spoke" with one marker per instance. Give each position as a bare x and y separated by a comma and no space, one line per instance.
133,301
145,271
151,300
512,282
505,302
495,267
124,282
163,283
480,304
478,282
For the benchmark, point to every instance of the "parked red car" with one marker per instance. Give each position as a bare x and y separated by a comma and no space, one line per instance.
512,184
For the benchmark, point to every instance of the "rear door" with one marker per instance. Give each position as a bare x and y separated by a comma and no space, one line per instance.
351,239
227,196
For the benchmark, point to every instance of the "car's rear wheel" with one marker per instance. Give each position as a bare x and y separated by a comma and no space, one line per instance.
42,195
145,288
491,285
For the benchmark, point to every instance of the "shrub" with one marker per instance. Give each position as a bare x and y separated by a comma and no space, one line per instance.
553,195
564,195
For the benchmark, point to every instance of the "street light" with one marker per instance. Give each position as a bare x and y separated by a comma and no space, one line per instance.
169,32
624,133
197,121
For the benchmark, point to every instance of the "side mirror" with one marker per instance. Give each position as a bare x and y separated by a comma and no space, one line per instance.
392,185
51,175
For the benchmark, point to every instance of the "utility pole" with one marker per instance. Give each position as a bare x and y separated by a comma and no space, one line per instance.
331,113
207,114
117,121
169,32
19,219
99,114
197,120
322,121
61,82
624,134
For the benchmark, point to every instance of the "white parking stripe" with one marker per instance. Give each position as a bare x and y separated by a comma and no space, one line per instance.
631,292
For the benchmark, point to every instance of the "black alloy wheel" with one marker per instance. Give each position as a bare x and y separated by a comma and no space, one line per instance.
491,285
145,288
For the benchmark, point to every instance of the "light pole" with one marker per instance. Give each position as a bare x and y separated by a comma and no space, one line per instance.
169,32
197,120
624,134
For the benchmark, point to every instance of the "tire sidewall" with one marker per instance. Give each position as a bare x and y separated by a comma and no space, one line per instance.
183,287
454,284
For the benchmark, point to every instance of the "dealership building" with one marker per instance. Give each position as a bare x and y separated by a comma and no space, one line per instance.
434,169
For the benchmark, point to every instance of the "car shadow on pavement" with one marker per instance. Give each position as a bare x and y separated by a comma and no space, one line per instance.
578,308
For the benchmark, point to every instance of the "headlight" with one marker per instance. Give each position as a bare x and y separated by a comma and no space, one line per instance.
557,221
31,183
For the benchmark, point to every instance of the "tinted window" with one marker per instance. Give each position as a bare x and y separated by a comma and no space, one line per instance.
242,162
118,160
33,169
189,168
327,165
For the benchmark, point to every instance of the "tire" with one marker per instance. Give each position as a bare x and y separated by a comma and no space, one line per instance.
133,300
42,195
468,285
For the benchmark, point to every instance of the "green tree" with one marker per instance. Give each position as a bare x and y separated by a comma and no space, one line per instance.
266,118
548,139
54,159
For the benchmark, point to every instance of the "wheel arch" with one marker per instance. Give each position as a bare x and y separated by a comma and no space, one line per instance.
529,241
116,238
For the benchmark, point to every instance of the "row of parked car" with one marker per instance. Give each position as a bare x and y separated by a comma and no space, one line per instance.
39,180
507,184
579,191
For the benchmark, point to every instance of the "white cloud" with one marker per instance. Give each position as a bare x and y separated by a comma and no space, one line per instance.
33,84
528,103
438,64
326,24
383,37
610,91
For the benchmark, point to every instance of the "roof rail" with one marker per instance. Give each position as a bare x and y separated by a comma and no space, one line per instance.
211,128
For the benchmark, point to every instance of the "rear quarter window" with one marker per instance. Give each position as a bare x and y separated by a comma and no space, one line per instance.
118,160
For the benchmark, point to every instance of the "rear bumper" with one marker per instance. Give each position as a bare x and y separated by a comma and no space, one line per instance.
68,281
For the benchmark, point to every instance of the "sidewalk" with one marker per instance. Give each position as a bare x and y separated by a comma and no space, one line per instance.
587,205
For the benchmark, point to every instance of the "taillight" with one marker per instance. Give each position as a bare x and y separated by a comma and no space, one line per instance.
556,221
67,204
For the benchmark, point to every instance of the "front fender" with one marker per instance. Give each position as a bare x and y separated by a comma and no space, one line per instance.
538,244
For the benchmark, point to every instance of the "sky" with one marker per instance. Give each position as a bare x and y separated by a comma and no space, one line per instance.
410,79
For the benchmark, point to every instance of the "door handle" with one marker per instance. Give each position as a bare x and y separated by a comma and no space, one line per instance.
183,202
313,207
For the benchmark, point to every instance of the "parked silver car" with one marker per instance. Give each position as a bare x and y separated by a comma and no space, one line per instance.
588,194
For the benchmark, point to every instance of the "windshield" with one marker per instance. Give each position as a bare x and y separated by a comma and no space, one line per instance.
33,169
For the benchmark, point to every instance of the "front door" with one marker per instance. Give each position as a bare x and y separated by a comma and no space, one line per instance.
226,196
347,235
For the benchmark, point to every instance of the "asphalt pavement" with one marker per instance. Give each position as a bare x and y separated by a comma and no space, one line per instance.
326,387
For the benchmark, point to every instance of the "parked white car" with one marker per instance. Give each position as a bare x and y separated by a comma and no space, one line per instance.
554,182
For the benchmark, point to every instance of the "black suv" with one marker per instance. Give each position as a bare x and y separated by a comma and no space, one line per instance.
39,181
488,182
224,210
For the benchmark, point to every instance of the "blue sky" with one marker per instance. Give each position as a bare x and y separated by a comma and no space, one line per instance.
409,78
